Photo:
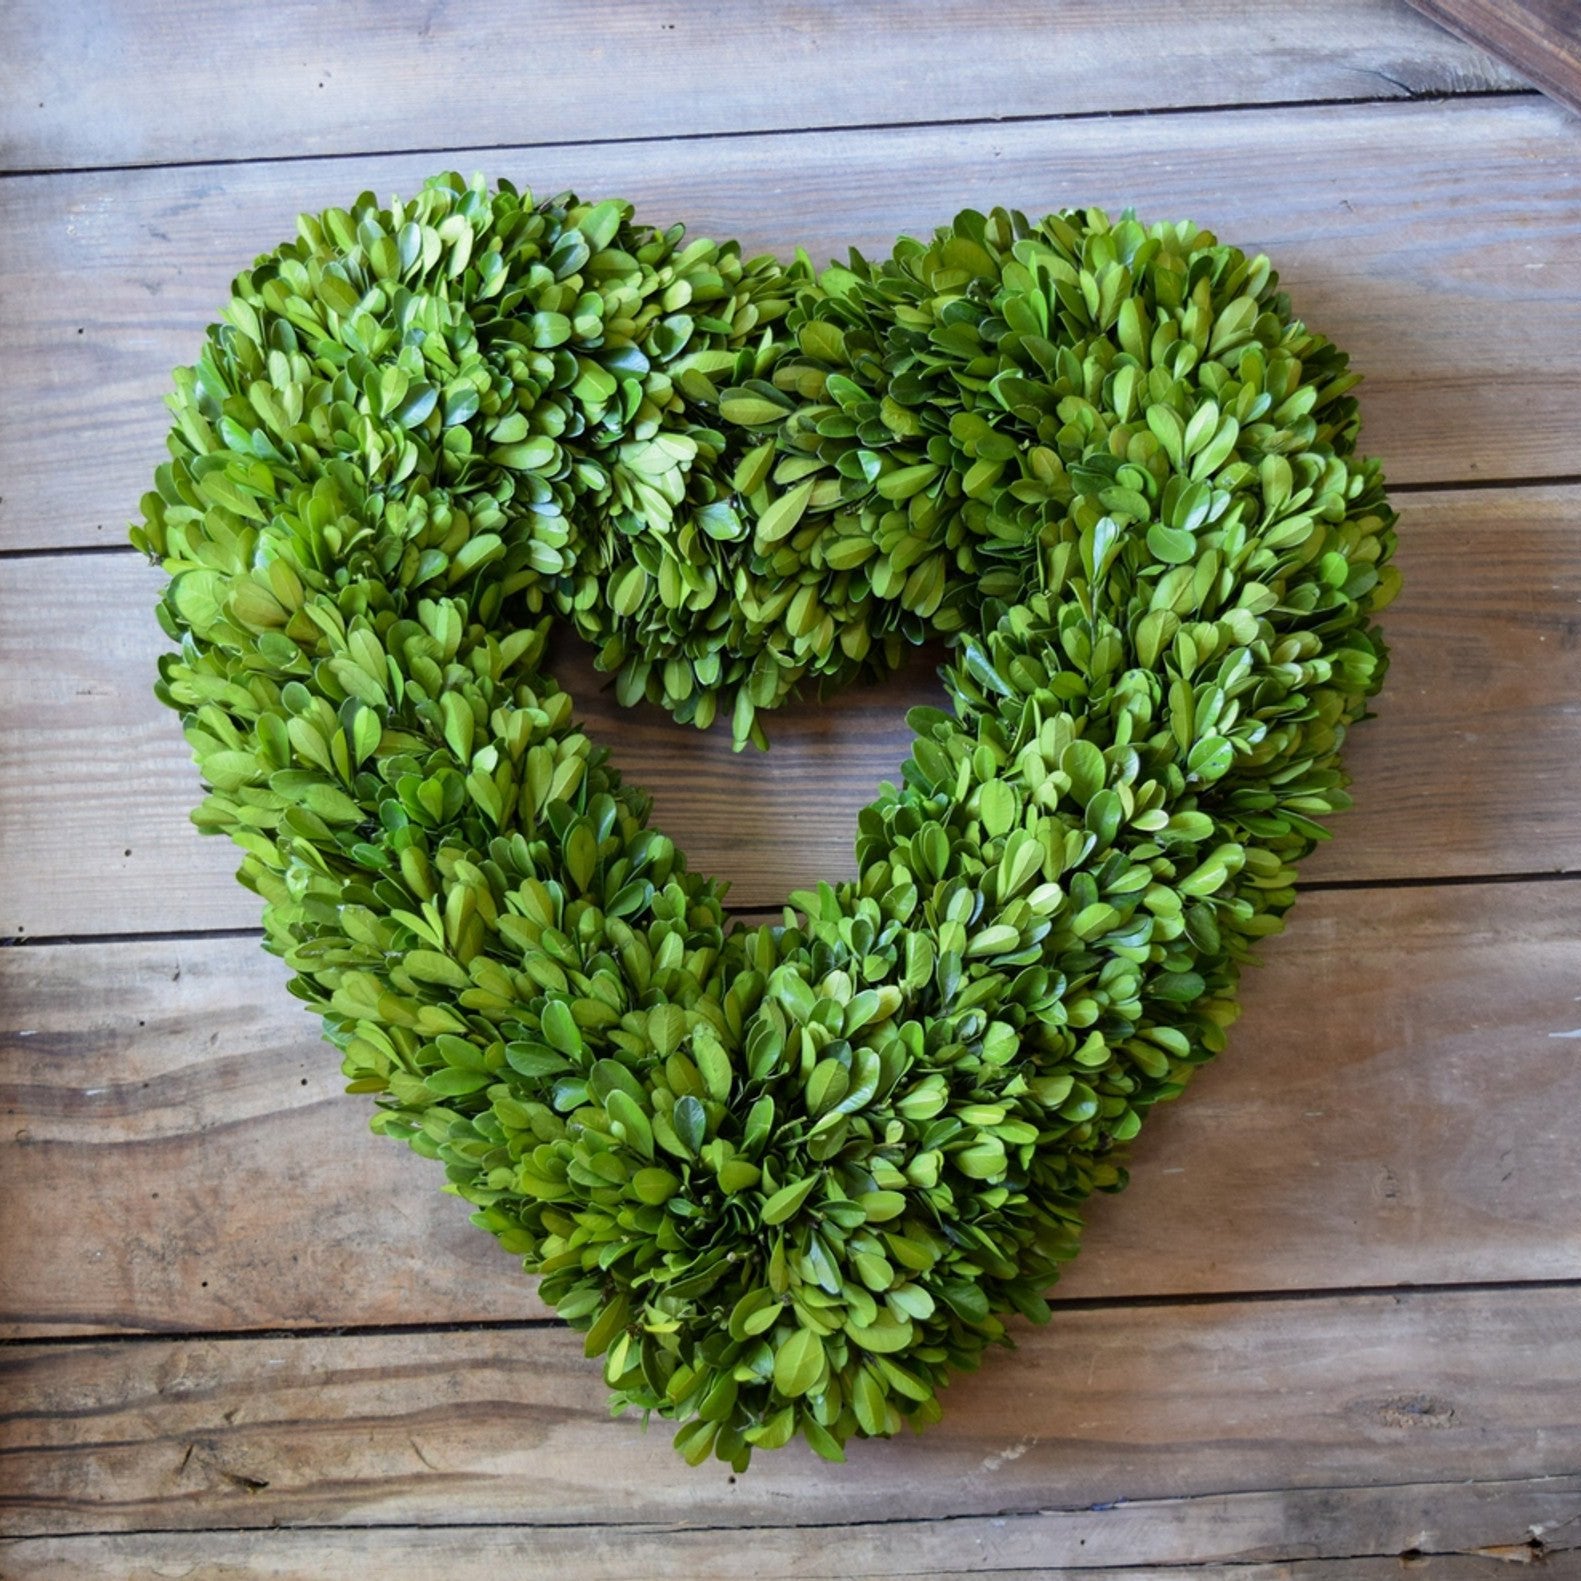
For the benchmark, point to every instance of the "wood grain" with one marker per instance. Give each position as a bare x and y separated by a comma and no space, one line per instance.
1471,1531
118,82
1469,771
1454,284
1539,39
177,1155
1158,1402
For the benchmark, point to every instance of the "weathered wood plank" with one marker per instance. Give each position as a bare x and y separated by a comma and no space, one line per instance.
1454,284
423,1554
1469,771
1160,1402
1541,39
91,82
177,1154
1472,1531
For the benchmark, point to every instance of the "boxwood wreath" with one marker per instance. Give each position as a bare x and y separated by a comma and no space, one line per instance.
787,1178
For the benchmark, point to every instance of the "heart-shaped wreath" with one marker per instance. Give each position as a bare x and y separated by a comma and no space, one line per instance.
785,1178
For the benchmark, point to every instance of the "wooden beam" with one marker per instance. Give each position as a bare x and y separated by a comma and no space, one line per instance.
1469,771
177,1153
117,82
1433,241
1540,40
1463,1531
1163,1402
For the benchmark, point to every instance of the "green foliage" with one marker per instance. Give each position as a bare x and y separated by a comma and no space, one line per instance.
785,1179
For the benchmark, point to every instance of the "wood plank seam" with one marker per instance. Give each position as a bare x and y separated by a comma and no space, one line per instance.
1447,486
852,128
1061,1305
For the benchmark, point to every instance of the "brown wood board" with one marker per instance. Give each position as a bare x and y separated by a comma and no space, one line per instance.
1539,39
1469,770
1468,1531
1454,284
121,82
177,1153
1163,1401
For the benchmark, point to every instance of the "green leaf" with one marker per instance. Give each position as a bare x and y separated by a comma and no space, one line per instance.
455,1083
798,1364
1084,764
531,455
458,726
751,411
1210,759
787,1201
869,1403
549,329
997,807
560,1030
608,1324
885,1335
531,1061
753,469
627,1113
600,223
231,770
332,805
1169,431
902,483
366,732
879,1207
1171,545
428,966
713,1062
823,341
691,1124
781,518
420,401
581,855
